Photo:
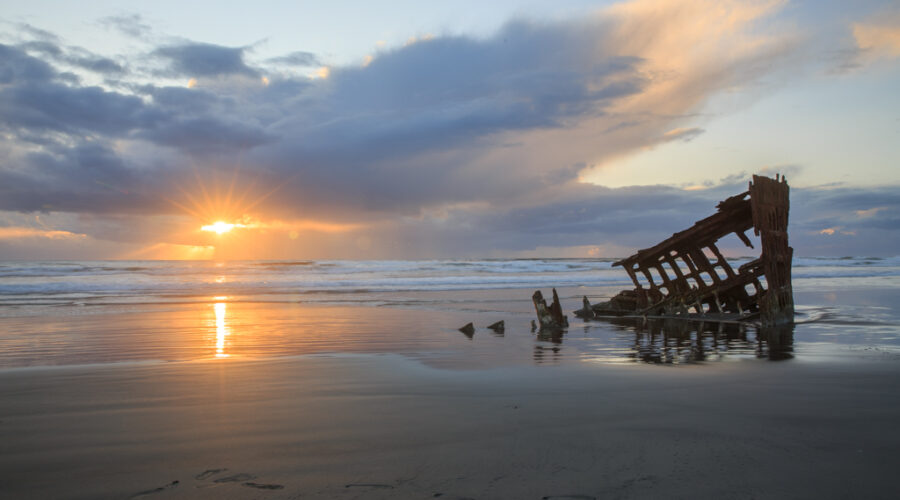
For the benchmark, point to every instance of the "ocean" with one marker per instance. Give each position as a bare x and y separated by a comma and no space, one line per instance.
82,312
340,379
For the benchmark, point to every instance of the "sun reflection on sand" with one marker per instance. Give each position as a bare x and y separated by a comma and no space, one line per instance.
221,328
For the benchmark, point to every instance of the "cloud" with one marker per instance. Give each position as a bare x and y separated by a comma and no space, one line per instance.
874,38
445,120
205,59
40,106
870,212
88,178
786,170
96,64
132,25
44,47
297,58
38,33
462,145
879,38
14,233
76,57
207,135
17,66
683,134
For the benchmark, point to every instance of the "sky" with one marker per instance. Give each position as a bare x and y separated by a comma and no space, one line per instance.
418,130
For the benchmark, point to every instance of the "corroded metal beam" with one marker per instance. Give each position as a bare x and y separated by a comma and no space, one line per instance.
686,274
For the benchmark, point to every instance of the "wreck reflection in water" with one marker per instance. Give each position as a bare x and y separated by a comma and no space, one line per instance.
670,341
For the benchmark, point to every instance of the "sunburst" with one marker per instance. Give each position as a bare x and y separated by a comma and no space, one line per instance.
219,227
220,209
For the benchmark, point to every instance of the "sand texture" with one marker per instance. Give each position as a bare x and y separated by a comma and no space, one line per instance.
384,426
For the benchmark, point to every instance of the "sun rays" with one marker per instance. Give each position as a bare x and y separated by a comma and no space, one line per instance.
233,215
220,207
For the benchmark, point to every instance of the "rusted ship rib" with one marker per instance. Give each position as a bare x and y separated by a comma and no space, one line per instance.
687,276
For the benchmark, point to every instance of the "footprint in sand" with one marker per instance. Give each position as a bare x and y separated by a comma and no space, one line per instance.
244,478
155,490
208,473
236,478
369,485
264,486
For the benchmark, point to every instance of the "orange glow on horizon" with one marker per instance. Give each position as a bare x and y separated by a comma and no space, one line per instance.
172,251
229,208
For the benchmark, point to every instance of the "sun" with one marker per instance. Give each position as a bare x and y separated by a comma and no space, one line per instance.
218,227
218,204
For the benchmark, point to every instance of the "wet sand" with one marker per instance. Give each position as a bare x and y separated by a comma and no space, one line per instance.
388,426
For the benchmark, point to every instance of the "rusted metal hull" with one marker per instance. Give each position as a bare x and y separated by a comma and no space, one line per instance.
687,276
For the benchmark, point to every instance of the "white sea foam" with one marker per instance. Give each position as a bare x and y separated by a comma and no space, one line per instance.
64,283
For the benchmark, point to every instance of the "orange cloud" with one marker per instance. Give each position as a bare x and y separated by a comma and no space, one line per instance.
880,38
9,233
172,251
682,134
870,212
686,43
305,225
688,52
837,230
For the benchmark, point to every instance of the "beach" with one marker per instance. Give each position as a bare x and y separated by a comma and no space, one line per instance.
377,395
578,250
387,427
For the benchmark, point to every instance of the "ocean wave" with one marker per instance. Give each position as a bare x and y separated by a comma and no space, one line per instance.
78,281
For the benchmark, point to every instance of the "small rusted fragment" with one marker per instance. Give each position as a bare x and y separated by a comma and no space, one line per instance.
585,312
468,330
549,317
498,327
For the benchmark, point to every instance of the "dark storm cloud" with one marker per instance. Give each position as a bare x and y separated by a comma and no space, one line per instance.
207,135
638,217
86,178
395,133
35,102
849,209
17,66
204,59
438,92
853,199
597,214
389,137
50,106
191,102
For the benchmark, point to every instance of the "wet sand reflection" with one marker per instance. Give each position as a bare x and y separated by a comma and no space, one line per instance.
670,341
221,327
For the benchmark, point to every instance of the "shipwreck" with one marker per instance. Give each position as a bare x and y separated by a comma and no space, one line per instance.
686,276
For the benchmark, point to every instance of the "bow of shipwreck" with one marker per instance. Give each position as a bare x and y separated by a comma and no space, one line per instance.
686,276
